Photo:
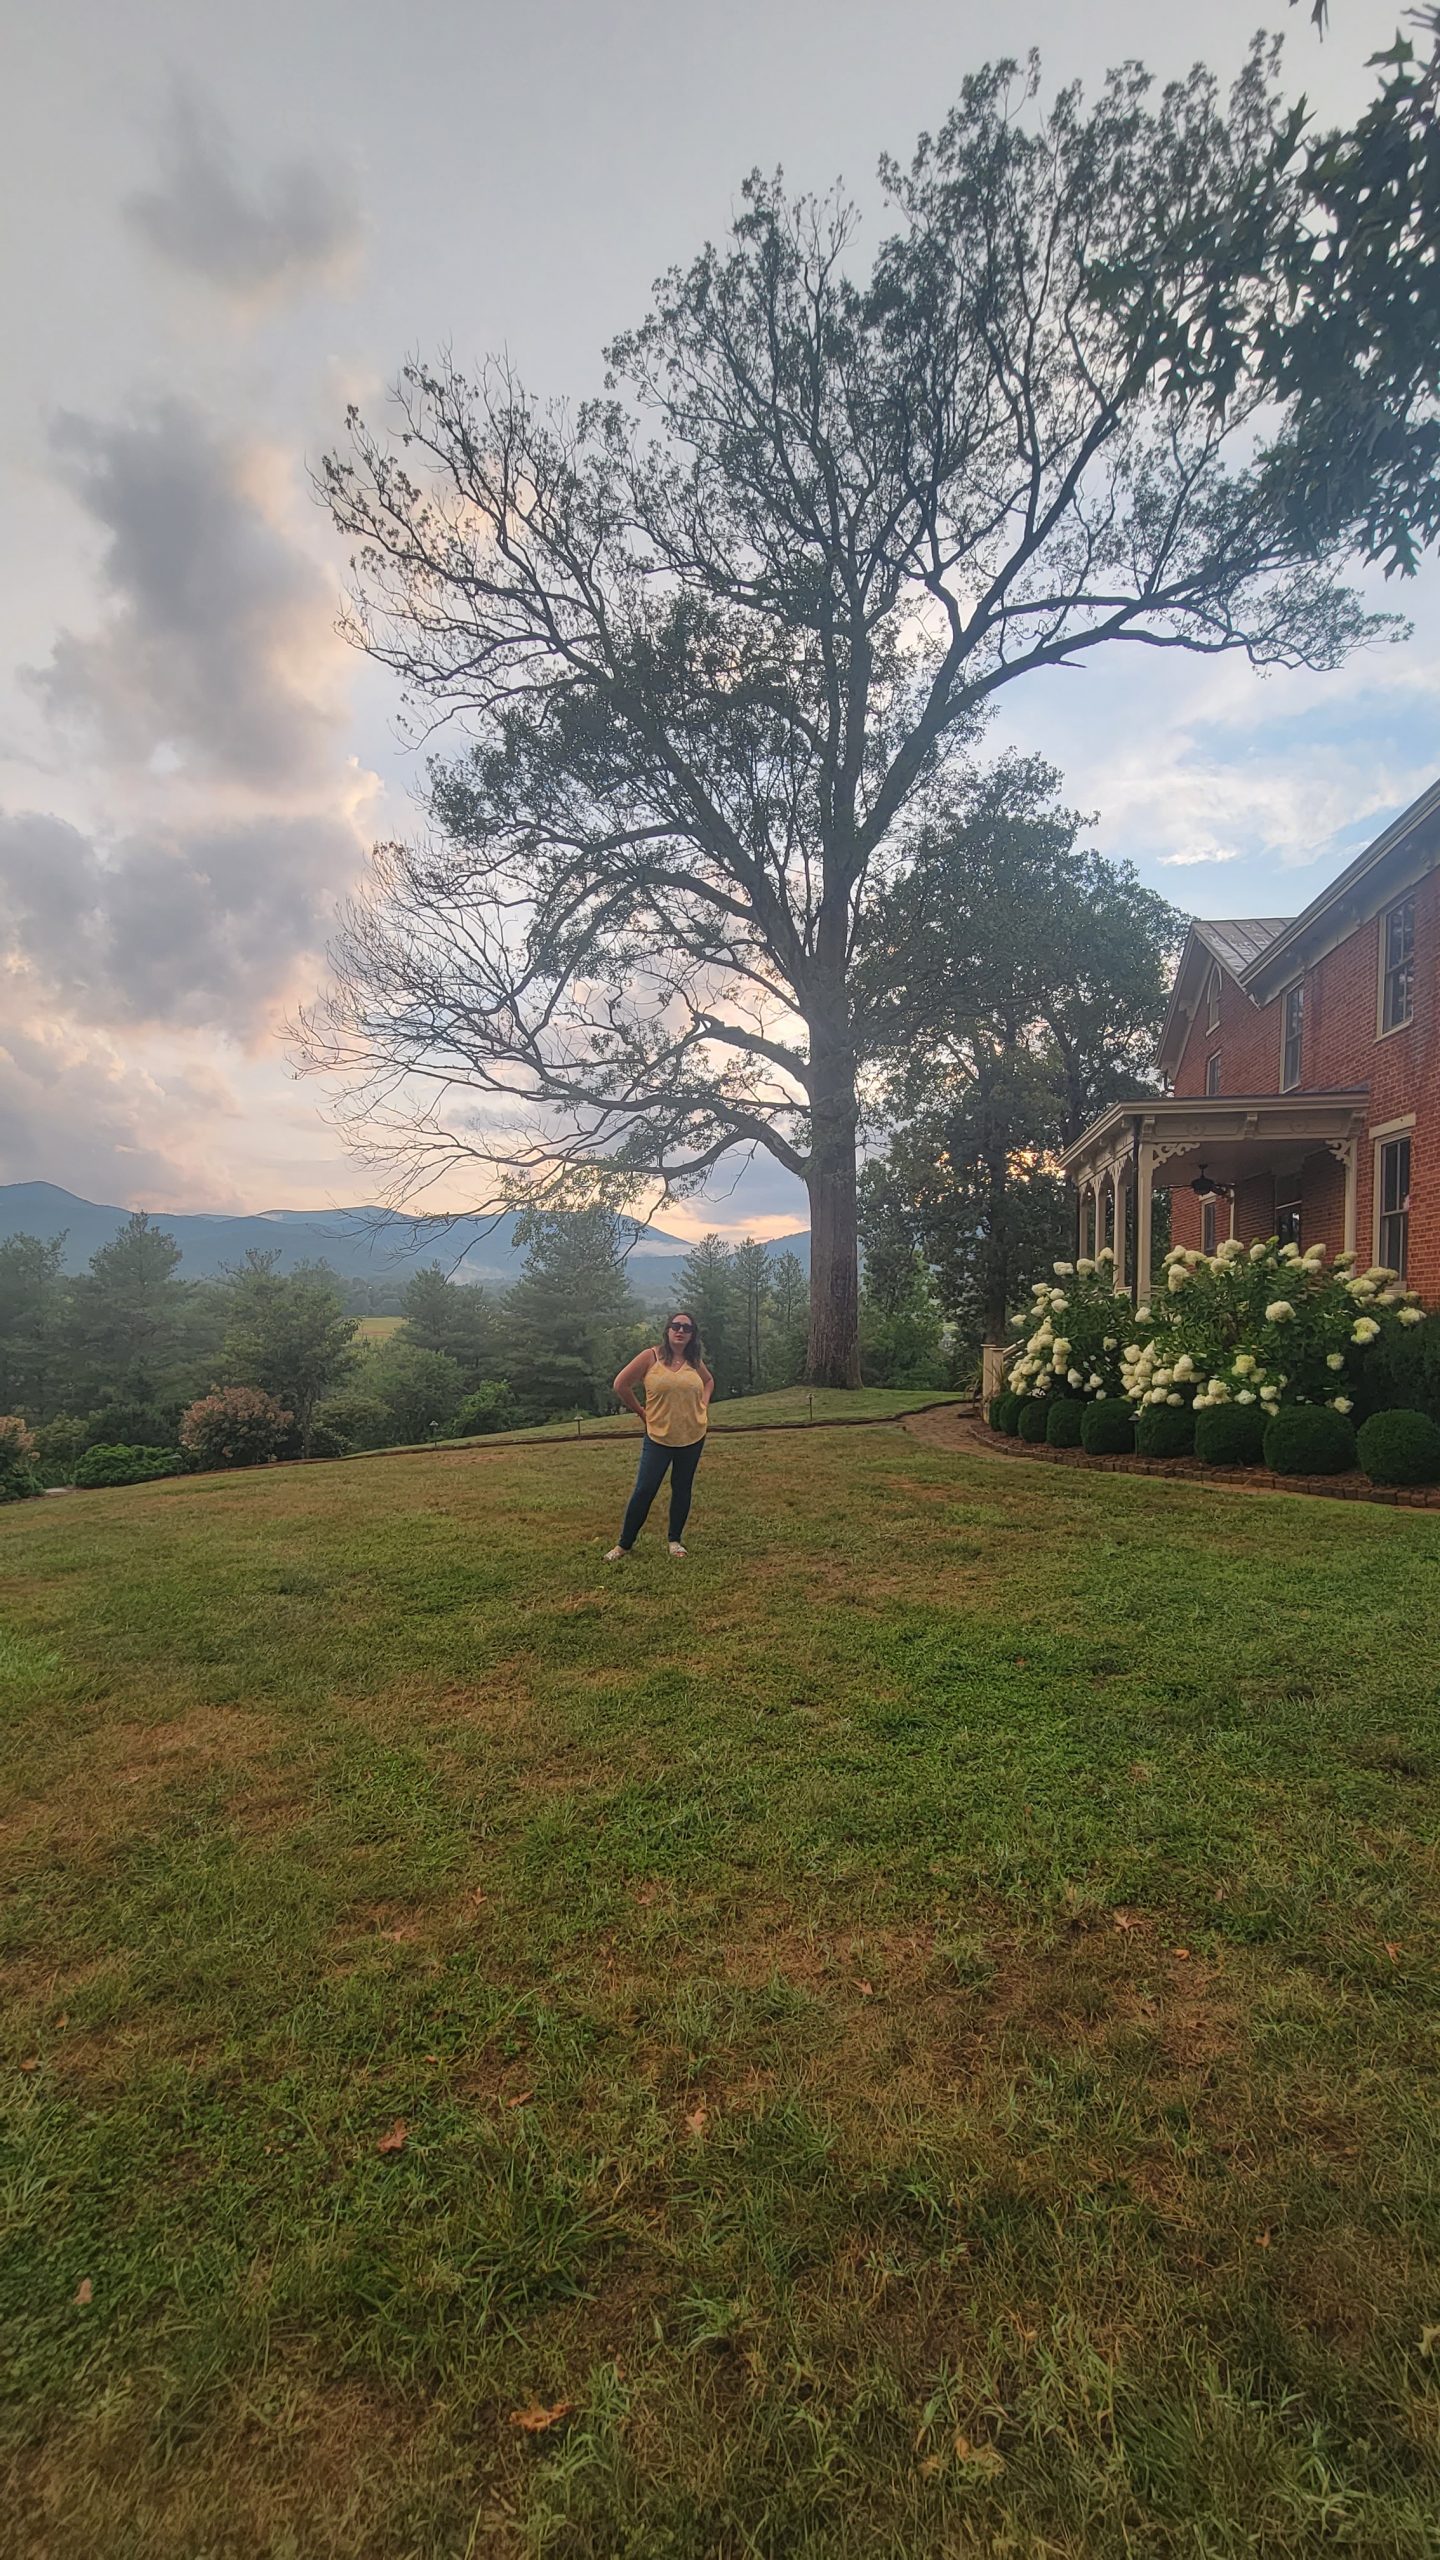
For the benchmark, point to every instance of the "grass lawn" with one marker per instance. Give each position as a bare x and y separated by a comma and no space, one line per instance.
911,2033
377,1328
790,1405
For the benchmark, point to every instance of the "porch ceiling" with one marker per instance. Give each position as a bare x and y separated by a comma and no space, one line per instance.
1231,1136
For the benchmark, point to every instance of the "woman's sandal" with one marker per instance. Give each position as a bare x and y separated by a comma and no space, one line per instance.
675,1547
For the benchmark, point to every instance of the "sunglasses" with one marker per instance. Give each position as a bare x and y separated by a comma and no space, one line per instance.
682,1328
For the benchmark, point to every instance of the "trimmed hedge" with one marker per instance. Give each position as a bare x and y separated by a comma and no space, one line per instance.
1230,1435
1309,1440
1034,1417
1399,1448
114,1463
1165,1431
1062,1423
1008,1412
1107,1428
993,1410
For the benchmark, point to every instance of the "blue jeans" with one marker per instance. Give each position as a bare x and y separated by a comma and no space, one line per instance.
649,1476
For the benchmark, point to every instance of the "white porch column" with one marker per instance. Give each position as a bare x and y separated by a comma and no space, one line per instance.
1351,1162
1144,1206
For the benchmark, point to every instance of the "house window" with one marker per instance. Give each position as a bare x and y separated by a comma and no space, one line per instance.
1394,1204
1207,1224
1397,965
1212,999
1287,1210
1212,1072
1292,1054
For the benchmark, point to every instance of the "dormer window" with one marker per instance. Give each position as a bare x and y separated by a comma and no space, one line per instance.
1212,999
1212,1072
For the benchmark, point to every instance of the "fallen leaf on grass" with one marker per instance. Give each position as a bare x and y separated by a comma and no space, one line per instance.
523,2100
1128,1920
981,2457
697,2119
31,2062
1182,1952
535,2420
84,2291
866,1990
478,1896
1262,2239
1393,1950
396,2138
62,2021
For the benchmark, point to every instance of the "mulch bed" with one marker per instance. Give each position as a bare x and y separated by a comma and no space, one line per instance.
1353,1487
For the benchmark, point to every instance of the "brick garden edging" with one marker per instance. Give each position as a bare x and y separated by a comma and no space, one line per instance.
1347,1488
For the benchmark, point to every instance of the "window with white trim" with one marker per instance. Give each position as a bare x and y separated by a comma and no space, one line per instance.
1207,1224
1212,1072
1293,1043
1397,966
1393,1204
1212,998
1287,1208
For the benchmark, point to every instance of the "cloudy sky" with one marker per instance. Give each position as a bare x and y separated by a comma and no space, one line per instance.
219,225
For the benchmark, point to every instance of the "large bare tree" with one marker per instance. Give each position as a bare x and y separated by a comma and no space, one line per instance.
720,643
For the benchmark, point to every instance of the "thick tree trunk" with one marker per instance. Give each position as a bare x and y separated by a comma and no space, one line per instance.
833,1357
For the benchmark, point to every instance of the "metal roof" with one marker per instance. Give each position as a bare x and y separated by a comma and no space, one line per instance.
1236,944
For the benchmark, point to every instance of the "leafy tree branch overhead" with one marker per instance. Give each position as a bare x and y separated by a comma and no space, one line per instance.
718,646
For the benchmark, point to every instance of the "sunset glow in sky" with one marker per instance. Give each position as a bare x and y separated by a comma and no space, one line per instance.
221,225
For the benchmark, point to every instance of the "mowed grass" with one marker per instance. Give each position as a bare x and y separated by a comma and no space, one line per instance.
791,1406
912,2033
377,1328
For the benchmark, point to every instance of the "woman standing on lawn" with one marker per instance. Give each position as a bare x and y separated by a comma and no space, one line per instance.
678,1388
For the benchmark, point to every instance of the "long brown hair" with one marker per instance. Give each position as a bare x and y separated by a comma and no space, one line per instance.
694,1350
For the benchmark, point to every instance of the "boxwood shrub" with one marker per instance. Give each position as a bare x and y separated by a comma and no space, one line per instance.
994,1409
1399,1448
1062,1422
1007,1412
1165,1430
1107,1428
1309,1440
1034,1417
1230,1435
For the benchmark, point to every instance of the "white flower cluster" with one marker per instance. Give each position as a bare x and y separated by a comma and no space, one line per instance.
1305,1301
1048,1359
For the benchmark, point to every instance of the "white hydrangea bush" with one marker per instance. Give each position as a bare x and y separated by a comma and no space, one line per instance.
1260,1324
1078,1322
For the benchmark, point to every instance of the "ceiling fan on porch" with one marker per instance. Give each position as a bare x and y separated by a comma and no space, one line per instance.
1205,1187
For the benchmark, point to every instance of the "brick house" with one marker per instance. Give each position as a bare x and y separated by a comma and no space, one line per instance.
1302,1063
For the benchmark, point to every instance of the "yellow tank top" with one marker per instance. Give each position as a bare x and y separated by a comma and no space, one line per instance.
674,1405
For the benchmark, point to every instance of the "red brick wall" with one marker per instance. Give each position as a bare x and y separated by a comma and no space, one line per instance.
1401,1073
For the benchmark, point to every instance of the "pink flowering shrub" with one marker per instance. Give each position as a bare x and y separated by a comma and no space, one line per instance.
233,1427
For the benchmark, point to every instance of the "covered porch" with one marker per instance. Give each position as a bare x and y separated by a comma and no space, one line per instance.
1249,1154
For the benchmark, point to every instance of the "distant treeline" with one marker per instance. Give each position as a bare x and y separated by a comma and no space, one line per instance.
117,1357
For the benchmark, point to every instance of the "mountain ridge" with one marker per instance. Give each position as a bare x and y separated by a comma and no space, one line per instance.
362,1243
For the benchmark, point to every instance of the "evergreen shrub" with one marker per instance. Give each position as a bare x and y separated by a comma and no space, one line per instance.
1107,1428
119,1464
1399,1448
1165,1431
1230,1435
1309,1440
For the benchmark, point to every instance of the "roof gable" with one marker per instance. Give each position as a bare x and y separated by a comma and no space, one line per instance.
1236,942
